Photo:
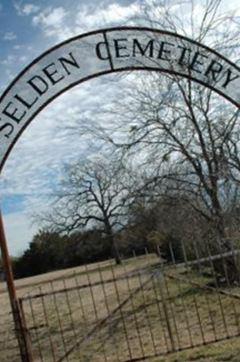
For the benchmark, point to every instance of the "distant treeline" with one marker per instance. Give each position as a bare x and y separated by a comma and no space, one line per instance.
50,251
148,228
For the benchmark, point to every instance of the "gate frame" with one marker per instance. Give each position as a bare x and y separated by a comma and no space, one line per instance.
19,321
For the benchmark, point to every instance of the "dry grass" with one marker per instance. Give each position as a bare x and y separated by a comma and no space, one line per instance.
194,315
57,280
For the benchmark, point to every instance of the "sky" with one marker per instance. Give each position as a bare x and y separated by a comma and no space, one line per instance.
27,29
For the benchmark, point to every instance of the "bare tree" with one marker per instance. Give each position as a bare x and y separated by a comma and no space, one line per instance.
187,136
189,142
206,21
94,193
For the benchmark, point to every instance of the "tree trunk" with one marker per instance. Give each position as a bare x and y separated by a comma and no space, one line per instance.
115,250
225,268
116,253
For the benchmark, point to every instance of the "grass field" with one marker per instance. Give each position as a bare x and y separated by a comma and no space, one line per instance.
157,314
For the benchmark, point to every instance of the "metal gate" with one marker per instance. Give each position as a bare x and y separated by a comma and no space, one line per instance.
143,308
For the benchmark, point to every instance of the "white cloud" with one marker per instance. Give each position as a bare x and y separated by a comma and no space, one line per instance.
9,36
18,231
50,17
114,13
30,9
26,9
62,24
51,20
36,160
10,59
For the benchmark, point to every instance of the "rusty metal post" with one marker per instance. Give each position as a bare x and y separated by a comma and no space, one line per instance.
20,327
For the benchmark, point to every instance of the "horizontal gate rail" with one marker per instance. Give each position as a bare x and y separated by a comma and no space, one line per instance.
203,287
148,309
83,286
101,323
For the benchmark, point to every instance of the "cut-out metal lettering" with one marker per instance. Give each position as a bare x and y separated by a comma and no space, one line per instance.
105,51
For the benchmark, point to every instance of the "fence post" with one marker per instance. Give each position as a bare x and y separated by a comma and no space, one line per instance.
20,327
165,308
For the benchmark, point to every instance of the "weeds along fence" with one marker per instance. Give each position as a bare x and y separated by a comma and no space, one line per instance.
9,350
142,308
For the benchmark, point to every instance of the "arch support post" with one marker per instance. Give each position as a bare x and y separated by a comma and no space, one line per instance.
18,317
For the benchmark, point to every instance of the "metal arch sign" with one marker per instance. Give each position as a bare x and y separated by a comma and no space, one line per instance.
105,51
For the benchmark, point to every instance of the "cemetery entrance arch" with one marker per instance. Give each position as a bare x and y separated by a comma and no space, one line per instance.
91,55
